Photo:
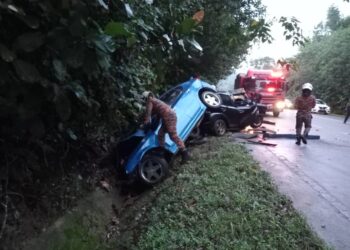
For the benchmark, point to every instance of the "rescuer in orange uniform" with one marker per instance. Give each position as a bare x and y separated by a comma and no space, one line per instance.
304,104
168,118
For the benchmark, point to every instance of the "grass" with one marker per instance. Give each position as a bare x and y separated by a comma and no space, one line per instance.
222,200
80,233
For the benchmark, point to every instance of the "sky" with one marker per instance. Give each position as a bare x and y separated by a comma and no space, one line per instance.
308,12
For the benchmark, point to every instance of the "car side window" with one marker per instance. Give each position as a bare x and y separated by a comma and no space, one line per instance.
171,96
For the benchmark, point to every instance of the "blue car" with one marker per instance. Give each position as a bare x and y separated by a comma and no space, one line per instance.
140,155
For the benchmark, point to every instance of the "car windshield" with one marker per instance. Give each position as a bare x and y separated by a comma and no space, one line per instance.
172,95
266,84
320,102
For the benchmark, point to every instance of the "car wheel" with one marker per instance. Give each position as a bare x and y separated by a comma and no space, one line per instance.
196,133
210,99
219,127
152,170
276,113
258,121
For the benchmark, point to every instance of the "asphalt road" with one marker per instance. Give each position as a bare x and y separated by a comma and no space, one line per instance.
315,176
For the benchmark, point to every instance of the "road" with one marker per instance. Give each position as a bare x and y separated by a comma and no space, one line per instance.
316,176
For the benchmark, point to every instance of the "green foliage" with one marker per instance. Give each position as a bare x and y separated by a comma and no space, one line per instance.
263,63
78,236
333,18
292,30
71,72
325,64
71,68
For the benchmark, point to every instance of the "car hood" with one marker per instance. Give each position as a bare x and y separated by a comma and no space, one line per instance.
322,106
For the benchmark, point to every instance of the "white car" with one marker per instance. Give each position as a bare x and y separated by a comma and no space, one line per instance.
321,107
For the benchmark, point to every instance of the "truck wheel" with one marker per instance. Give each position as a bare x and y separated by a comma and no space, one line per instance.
152,170
276,113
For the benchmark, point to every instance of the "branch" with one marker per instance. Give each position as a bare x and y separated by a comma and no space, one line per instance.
4,184
5,205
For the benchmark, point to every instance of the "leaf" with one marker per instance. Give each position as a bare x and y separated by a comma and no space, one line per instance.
195,44
128,10
143,25
104,43
186,26
182,44
105,185
198,16
144,36
79,92
63,106
26,71
15,9
131,41
117,29
72,134
60,70
104,62
103,4
30,21
6,54
167,38
29,42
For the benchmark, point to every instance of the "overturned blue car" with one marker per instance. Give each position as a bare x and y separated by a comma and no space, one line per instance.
140,157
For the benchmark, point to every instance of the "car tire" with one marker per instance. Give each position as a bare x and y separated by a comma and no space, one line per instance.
152,170
210,99
276,113
258,122
195,134
219,127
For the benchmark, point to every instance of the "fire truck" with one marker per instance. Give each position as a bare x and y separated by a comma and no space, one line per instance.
265,86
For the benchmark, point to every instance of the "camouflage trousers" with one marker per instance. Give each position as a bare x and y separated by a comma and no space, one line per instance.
303,118
169,126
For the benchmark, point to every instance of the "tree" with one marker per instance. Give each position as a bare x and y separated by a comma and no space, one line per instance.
319,32
263,63
333,18
325,63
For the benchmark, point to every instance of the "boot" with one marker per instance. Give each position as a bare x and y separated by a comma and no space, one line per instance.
298,140
303,139
185,156
305,135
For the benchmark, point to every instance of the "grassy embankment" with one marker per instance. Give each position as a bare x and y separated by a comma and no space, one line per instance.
222,200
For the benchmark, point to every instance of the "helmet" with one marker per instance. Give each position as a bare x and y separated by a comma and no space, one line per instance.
307,86
146,94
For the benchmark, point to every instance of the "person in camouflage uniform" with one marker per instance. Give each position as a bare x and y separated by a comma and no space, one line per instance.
347,109
168,118
304,104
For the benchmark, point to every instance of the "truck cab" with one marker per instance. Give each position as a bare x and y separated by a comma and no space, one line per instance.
265,86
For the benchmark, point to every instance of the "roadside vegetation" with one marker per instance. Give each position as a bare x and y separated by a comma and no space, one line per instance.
220,200
71,73
325,60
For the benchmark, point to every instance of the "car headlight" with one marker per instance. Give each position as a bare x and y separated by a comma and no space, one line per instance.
280,105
